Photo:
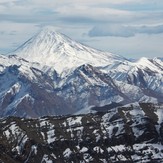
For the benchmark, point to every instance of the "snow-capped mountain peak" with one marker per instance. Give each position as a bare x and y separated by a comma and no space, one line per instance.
56,50
55,72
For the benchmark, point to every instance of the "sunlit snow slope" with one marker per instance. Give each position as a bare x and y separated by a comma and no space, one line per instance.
51,48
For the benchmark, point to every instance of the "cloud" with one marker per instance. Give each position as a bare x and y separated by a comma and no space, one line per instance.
75,17
130,47
124,30
72,11
13,34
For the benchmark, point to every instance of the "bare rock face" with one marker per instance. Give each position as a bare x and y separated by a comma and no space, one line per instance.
125,134
29,96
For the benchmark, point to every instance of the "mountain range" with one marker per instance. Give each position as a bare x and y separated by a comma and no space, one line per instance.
50,74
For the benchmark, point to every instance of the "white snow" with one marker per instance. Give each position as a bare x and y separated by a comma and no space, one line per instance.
83,150
46,159
118,148
43,123
144,62
67,153
34,149
98,149
159,113
150,148
14,89
14,132
48,136
43,135
7,133
51,136
137,132
74,120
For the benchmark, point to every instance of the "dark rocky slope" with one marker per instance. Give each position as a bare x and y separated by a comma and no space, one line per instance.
128,134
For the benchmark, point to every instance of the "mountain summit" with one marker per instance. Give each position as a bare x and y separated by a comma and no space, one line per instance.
52,48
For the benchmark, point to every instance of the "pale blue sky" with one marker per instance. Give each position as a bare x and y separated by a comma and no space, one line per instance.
132,28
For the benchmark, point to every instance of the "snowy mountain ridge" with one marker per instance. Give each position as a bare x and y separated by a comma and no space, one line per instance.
57,76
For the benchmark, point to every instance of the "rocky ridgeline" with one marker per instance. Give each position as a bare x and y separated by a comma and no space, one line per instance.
128,134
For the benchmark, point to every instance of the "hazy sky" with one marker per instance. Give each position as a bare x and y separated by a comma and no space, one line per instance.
132,28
